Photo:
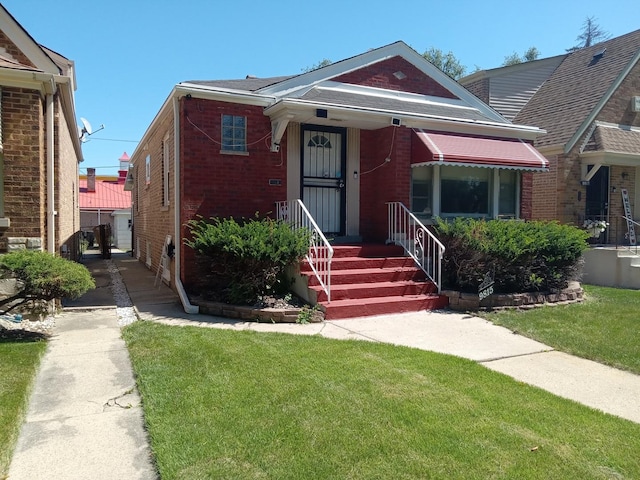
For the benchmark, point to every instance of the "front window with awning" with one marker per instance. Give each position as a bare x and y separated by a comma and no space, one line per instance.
457,175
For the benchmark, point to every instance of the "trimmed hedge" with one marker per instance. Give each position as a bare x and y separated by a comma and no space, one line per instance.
521,256
240,261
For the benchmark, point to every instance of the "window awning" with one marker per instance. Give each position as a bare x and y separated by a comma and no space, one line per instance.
474,151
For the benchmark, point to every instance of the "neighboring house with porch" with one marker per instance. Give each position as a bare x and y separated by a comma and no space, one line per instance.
361,143
588,102
104,201
39,145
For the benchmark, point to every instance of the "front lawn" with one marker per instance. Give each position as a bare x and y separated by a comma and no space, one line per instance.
19,361
604,328
227,404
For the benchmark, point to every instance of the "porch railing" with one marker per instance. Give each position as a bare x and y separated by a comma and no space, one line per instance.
632,231
417,240
320,252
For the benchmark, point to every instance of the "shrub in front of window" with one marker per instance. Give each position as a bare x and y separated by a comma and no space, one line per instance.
240,261
521,256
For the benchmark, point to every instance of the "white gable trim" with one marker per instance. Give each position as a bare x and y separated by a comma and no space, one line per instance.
26,43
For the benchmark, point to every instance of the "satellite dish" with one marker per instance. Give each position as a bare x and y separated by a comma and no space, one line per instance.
87,126
86,129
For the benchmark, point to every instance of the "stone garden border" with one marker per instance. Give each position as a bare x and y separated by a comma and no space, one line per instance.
462,302
252,314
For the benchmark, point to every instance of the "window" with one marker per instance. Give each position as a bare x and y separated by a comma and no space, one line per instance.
421,191
508,195
234,133
465,191
147,167
319,141
165,171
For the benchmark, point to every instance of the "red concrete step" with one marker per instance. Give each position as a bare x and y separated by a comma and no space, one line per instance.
378,289
371,275
350,263
367,251
343,309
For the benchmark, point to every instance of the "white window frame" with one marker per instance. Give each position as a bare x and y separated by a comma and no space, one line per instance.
237,148
147,169
494,194
165,171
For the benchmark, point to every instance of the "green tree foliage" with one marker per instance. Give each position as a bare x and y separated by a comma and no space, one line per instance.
447,62
322,63
531,54
522,256
42,277
240,261
591,34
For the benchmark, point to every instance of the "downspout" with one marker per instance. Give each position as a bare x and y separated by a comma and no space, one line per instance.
51,205
188,307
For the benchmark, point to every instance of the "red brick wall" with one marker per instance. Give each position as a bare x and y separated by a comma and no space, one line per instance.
217,184
380,75
389,182
152,220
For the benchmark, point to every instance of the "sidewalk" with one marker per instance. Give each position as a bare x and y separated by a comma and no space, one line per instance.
85,419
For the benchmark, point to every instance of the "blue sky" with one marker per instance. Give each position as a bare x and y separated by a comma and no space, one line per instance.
130,53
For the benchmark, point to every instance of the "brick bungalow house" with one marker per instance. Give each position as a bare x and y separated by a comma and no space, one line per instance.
346,140
39,145
588,102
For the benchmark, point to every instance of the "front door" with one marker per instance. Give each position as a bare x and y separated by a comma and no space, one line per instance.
323,176
597,204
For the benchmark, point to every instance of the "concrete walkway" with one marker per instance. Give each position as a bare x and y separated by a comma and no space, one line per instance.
85,419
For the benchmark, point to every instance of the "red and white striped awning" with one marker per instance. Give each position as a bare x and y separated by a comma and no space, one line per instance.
474,151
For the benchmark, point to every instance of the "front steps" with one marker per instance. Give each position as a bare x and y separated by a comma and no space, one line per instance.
371,280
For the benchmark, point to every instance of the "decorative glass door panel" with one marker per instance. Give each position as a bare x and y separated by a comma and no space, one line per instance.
323,181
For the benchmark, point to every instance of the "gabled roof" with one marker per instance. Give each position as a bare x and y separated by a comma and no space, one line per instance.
568,102
109,195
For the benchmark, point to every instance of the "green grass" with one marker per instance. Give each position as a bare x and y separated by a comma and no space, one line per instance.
19,361
604,328
228,404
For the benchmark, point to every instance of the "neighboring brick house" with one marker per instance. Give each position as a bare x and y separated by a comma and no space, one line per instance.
39,145
588,102
383,126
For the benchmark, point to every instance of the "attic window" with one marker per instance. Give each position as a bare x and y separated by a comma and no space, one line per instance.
319,141
399,75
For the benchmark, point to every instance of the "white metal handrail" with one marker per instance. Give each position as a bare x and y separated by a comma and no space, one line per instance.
631,225
320,252
417,240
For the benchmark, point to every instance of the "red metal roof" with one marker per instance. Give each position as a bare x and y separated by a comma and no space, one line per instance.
458,149
109,195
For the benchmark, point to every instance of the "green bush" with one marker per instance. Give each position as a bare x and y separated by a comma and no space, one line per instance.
521,256
42,277
240,261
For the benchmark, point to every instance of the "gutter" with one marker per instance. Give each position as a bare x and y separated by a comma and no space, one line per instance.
188,307
51,213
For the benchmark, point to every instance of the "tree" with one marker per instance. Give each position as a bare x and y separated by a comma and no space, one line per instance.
42,277
531,54
322,63
591,34
446,62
